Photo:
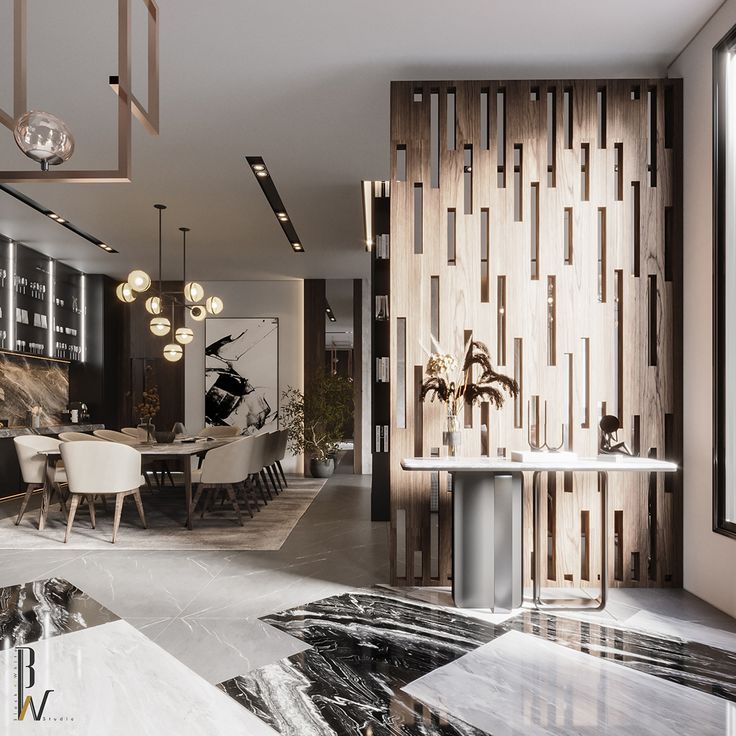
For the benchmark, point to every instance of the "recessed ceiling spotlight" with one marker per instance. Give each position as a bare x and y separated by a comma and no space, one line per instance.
53,216
297,246
262,174
259,167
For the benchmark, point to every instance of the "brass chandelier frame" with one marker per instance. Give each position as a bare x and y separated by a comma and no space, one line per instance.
128,104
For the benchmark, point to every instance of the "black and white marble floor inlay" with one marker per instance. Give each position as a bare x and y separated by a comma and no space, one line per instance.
367,646
44,609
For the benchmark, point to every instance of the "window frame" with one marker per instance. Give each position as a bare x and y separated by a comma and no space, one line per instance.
720,62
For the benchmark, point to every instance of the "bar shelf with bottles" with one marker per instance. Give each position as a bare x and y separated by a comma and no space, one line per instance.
41,304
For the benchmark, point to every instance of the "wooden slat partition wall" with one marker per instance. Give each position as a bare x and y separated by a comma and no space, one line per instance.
624,265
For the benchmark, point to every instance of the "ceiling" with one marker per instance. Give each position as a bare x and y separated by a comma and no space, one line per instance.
306,86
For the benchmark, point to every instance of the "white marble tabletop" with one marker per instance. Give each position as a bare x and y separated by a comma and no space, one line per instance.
546,461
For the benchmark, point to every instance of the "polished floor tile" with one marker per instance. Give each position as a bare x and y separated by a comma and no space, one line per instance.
677,628
113,680
45,609
524,684
239,645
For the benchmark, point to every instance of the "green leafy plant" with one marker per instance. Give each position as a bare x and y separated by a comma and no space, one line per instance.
315,419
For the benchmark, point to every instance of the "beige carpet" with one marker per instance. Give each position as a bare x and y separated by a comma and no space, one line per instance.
267,530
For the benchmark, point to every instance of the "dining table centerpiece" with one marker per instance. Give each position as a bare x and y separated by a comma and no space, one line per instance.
455,383
147,409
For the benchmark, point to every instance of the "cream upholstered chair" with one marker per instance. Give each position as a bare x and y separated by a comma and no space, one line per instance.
222,468
102,468
261,454
281,452
112,436
272,448
78,437
220,431
33,469
161,468
139,434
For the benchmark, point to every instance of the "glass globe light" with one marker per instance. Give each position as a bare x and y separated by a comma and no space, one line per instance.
154,305
193,292
198,312
173,352
184,335
44,138
125,293
160,326
139,280
214,305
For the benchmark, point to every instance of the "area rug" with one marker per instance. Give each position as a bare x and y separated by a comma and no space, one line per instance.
267,530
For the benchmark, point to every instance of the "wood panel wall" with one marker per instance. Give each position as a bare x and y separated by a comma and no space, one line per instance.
565,259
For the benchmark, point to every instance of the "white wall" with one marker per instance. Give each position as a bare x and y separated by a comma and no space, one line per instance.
709,558
282,299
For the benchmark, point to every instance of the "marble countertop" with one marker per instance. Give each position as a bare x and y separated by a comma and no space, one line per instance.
548,462
10,432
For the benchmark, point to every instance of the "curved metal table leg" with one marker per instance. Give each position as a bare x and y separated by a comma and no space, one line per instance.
573,604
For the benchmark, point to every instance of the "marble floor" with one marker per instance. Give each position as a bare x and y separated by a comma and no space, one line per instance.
310,640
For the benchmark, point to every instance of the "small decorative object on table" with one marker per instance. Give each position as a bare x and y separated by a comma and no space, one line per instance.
454,385
147,410
35,413
610,448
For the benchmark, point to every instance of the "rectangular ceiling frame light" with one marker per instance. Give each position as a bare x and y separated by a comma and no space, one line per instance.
58,219
263,177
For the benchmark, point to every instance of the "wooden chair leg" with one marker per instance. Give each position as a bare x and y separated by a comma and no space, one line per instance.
234,501
91,506
275,475
207,501
246,497
139,506
26,498
195,500
168,474
72,512
45,500
62,500
119,498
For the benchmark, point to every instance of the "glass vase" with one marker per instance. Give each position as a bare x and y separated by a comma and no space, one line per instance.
149,431
452,436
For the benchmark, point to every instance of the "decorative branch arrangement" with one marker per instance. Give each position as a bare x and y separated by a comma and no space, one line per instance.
453,385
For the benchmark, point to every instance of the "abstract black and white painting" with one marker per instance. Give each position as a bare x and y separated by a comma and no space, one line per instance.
242,373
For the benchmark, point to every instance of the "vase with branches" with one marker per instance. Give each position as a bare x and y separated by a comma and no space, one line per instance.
148,408
315,419
472,381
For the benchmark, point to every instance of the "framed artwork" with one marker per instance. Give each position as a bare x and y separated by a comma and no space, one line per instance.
242,373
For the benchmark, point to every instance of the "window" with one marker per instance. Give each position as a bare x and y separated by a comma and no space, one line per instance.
724,285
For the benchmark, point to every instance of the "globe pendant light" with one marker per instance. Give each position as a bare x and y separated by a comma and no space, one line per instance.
197,312
125,293
160,326
193,292
44,138
139,280
173,352
184,335
154,305
214,305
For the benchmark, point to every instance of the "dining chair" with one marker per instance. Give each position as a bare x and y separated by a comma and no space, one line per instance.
261,459
222,468
220,431
112,436
281,452
164,471
78,437
271,452
101,469
33,470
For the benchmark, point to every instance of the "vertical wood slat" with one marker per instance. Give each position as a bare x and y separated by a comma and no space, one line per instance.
651,391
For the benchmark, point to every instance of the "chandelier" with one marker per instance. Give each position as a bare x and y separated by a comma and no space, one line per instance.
192,298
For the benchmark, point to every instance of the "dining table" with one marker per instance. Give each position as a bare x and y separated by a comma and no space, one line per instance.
177,453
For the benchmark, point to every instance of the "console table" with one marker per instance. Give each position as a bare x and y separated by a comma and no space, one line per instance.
487,515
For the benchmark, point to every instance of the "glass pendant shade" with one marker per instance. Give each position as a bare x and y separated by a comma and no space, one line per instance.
160,326
125,293
173,352
184,335
44,138
193,292
139,280
198,312
154,305
214,305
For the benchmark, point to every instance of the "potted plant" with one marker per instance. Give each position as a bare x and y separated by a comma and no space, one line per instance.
315,420
454,385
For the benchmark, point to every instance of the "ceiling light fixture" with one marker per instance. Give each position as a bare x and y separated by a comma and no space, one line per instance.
258,167
139,281
44,138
